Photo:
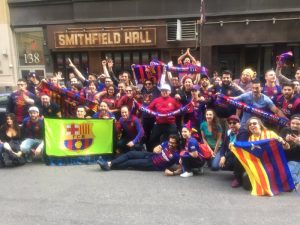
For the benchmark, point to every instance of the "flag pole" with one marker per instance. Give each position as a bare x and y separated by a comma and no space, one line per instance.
201,22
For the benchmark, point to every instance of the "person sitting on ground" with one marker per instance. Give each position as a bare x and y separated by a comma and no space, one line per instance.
227,158
163,157
191,156
211,132
131,131
257,131
291,134
10,139
33,133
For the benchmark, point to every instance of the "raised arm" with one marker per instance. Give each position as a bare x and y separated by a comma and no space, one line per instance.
76,71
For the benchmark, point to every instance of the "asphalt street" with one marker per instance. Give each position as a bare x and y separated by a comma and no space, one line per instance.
38,194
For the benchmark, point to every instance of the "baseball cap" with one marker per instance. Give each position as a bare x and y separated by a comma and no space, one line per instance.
233,118
165,87
34,108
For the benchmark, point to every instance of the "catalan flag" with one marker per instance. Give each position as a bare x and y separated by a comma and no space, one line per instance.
266,166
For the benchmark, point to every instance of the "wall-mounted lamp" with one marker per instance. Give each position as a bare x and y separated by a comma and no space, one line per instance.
274,20
221,23
247,22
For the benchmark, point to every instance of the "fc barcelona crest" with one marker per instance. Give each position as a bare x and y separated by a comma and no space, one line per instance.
78,136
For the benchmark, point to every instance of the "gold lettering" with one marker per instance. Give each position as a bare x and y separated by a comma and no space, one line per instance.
70,39
88,39
80,36
104,38
135,37
109,39
117,38
142,40
127,38
94,38
148,40
61,39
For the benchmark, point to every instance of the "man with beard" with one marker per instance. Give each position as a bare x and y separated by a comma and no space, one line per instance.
257,100
292,136
48,108
228,88
288,102
162,158
20,100
32,130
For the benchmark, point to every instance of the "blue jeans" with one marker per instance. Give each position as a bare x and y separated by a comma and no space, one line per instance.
29,144
215,162
295,171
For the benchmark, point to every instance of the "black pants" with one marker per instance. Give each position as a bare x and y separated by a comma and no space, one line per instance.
148,124
188,163
161,133
134,160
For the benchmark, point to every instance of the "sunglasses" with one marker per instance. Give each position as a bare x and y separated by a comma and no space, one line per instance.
128,90
232,123
254,124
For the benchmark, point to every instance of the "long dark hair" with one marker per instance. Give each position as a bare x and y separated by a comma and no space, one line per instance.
215,123
15,125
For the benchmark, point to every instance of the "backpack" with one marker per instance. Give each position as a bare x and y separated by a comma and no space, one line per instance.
206,152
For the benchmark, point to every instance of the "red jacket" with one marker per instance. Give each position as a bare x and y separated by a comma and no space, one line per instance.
163,106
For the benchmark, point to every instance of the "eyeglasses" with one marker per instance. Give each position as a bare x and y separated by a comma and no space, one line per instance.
232,123
253,123
128,90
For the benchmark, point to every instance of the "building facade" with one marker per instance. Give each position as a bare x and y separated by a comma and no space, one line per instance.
236,34
7,51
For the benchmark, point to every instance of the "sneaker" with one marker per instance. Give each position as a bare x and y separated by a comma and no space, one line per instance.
103,164
187,174
235,183
297,188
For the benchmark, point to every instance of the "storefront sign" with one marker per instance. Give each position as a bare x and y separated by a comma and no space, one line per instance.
141,37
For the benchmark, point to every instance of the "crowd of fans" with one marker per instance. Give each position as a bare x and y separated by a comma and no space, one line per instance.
153,142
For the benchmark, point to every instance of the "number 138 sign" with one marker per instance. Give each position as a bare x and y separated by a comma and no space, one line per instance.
32,58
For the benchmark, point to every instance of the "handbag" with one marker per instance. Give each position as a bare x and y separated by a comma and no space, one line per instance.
206,152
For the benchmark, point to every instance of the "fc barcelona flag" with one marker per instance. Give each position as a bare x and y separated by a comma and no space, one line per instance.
77,140
266,166
152,71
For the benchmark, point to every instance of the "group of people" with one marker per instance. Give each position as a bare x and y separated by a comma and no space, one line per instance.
176,143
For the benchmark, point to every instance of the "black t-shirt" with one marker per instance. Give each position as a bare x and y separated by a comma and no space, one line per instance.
293,154
50,111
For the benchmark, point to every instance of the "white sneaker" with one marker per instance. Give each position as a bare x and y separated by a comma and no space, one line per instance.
187,174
